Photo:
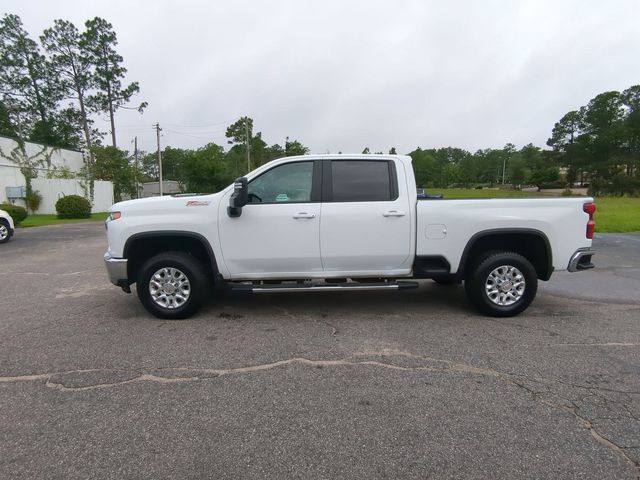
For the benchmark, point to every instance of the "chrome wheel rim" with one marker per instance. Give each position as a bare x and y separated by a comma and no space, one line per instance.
169,288
4,232
505,285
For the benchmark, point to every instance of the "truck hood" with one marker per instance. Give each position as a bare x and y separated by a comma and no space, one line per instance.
167,203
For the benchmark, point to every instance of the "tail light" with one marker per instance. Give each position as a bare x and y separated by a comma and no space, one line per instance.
590,208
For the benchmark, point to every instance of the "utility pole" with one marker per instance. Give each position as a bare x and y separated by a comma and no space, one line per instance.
135,155
158,129
246,133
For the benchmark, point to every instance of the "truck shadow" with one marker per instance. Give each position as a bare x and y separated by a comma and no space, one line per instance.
427,298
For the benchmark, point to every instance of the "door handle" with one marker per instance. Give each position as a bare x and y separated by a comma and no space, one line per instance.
304,215
393,213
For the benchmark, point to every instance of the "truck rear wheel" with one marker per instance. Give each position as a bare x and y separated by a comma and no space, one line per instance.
502,284
172,285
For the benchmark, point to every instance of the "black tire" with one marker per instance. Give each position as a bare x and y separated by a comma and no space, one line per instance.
5,236
477,279
195,273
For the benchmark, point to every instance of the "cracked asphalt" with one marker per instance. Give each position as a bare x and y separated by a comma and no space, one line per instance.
408,384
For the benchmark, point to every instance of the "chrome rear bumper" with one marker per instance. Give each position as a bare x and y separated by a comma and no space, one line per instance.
581,260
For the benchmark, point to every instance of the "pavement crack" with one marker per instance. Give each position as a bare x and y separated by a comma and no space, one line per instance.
92,379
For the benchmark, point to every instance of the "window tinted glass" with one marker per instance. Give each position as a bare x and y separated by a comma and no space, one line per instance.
360,181
289,183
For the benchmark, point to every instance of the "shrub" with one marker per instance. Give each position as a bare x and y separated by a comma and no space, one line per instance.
17,213
73,206
567,192
33,200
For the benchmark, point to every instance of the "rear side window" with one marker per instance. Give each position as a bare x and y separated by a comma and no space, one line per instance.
362,181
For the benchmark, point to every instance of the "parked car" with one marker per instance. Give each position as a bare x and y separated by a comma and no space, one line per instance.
6,226
342,222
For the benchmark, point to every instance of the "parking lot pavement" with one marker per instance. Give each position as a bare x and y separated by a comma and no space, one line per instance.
407,384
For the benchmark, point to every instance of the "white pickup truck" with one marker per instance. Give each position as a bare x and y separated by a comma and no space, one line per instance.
341,222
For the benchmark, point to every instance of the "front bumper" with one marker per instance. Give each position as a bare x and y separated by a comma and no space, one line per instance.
581,260
117,270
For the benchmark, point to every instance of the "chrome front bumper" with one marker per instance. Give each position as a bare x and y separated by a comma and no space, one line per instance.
581,260
117,270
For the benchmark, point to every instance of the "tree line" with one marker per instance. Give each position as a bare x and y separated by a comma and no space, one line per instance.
51,89
597,145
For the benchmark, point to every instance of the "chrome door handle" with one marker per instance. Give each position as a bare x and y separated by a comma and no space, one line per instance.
393,213
304,215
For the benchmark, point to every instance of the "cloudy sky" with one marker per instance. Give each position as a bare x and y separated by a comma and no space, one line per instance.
343,75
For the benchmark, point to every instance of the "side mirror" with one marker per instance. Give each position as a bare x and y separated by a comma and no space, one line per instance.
239,198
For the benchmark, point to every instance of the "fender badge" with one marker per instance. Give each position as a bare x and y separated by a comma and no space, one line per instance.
197,203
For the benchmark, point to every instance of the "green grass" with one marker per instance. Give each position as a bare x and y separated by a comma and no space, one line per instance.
617,214
613,214
483,193
42,220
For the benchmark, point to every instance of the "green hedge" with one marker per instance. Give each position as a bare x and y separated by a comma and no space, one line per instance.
17,213
73,206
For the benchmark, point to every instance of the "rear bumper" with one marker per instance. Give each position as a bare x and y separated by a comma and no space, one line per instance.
581,260
116,269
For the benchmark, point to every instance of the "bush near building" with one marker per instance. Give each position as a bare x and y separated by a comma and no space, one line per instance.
17,213
73,206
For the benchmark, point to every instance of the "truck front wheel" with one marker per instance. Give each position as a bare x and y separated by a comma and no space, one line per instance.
502,284
172,285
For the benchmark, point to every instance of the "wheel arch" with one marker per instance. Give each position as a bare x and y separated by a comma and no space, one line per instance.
532,244
142,246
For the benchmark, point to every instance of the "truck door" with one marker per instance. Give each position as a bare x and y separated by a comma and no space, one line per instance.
278,233
366,218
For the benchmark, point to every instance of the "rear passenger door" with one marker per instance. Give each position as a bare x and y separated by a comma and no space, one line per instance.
366,222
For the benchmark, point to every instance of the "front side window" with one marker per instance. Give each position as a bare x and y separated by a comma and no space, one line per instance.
360,181
288,183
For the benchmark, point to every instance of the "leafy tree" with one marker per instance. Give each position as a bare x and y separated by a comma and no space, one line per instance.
99,42
564,140
206,171
7,128
173,160
240,134
240,130
112,164
517,170
392,151
540,165
631,101
294,147
425,167
366,150
25,76
73,68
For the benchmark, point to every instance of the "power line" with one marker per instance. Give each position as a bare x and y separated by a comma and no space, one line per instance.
198,126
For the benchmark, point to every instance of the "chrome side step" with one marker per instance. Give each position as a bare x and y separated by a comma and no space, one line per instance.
324,287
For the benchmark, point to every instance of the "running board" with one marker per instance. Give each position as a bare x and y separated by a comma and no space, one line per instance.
324,287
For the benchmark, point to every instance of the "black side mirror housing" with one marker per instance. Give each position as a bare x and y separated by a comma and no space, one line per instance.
239,198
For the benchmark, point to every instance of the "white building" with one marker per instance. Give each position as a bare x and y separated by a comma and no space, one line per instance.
48,160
